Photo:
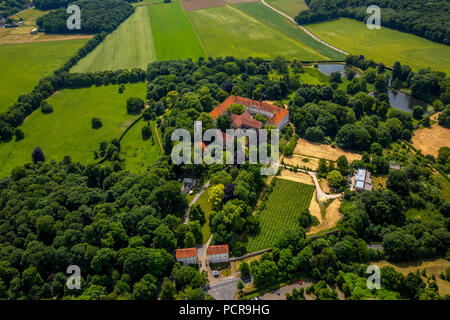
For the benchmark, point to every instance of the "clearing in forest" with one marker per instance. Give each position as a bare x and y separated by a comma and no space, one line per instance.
283,207
68,130
384,45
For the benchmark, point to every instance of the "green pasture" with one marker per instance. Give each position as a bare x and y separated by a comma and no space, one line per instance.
290,7
68,131
22,65
130,46
228,31
139,154
384,45
288,28
173,34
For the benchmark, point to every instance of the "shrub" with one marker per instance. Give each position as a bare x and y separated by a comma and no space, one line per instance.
46,108
135,105
19,134
146,132
96,123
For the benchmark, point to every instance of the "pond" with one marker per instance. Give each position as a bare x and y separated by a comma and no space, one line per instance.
403,101
329,68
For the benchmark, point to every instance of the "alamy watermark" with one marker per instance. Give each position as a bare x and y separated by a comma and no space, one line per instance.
373,21
250,140
374,280
74,20
74,281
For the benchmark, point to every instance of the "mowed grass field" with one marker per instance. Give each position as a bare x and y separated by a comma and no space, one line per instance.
129,46
139,154
384,45
173,34
290,7
68,131
271,18
22,65
284,205
228,31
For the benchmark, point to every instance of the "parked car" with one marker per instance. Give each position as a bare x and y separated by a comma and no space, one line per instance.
277,292
216,273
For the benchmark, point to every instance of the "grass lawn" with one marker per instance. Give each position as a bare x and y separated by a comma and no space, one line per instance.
138,153
67,131
130,46
290,7
173,34
207,208
228,31
284,205
22,65
274,20
384,45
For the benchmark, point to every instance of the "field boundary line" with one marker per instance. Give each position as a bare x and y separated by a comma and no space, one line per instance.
309,33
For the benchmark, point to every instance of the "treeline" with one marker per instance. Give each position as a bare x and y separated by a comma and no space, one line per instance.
55,4
96,16
428,20
11,7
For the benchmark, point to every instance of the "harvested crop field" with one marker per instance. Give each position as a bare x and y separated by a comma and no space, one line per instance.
429,140
318,150
301,161
202,4
327,221
296,176
432,266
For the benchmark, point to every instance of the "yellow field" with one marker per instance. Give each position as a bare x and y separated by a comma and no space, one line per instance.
318,150
429,140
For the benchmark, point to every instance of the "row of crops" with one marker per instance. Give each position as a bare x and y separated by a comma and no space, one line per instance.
284,205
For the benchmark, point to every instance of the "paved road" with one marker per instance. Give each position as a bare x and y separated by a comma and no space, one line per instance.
226,289
186,215
309,33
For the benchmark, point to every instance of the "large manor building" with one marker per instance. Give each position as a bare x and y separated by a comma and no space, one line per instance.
277,116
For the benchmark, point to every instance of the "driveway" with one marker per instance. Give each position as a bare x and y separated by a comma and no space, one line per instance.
226,289
186,215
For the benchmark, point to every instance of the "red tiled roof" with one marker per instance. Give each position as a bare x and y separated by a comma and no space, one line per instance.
186,253
218,249
279,113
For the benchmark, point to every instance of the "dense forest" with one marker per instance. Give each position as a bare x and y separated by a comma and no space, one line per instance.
425,19
10,7
97,16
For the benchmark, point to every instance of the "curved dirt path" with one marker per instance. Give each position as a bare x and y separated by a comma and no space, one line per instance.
309,33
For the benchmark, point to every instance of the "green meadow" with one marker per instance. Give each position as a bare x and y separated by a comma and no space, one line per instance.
228,31
173,34
384,45
139,154
130,46
276,21
290,7
22,65
68,131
